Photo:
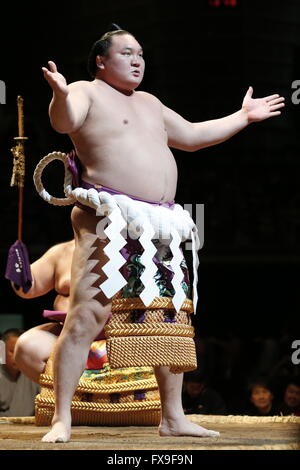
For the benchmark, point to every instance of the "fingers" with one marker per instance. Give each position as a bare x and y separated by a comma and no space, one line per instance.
278,100
249,92
276,103
273,114
271,97
46,73
52,66
276,106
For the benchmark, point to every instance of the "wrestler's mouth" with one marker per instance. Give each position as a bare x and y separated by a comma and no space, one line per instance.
136,73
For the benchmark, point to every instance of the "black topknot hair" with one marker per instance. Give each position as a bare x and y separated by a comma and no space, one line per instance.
114,27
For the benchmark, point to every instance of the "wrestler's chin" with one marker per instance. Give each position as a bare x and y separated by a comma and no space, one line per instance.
136,79
132,85
127,86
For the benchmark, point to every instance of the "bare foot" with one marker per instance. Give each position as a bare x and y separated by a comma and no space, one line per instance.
60,432
184,427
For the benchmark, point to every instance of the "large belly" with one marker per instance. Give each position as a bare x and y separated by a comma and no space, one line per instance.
145,171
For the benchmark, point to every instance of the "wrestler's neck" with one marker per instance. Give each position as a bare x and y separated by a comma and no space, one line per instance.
125,89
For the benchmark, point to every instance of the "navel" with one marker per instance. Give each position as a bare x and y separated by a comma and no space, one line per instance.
125,121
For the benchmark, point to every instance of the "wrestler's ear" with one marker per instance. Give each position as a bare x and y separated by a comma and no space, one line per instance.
100,62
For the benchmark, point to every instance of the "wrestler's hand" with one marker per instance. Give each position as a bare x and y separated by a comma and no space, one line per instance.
261,108
55,79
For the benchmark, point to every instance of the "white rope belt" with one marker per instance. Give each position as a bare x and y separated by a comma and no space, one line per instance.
142,221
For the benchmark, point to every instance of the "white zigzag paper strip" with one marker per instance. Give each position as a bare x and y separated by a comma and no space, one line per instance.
177,258
151,289
195,248
115,281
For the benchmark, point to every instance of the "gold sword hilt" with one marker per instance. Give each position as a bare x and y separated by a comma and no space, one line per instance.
18,174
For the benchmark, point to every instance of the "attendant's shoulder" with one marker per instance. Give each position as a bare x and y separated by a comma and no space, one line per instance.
60,248
56,251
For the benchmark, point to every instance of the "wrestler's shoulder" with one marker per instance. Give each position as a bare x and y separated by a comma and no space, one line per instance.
149,97
81,85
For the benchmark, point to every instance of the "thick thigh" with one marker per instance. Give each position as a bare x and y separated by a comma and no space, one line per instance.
87,301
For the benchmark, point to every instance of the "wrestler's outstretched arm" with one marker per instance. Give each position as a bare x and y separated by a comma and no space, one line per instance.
70,103
43,275
188,136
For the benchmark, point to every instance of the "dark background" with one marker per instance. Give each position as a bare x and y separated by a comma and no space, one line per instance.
200,61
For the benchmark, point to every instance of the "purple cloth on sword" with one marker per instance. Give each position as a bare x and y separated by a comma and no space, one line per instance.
18,266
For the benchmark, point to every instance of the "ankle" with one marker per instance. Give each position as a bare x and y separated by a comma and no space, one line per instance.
172,415
62,418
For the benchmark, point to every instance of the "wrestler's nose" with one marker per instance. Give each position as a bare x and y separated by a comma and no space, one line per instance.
136,61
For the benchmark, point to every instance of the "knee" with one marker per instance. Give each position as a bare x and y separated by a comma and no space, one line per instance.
87,323
23,349
92,312
102,315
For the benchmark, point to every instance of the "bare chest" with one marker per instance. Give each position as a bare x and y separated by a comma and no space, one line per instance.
120,115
